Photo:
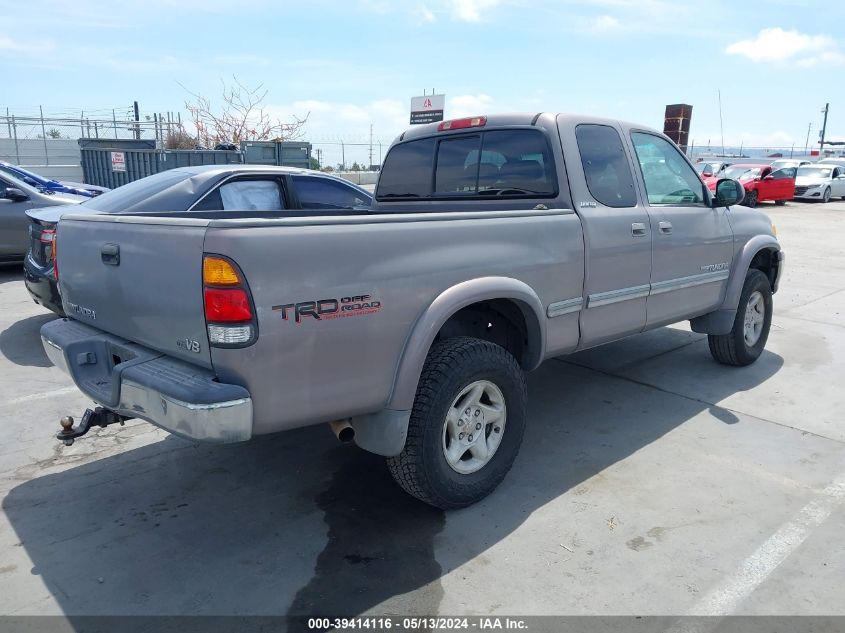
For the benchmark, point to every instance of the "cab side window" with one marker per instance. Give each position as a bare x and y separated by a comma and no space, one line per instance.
667,176
605,165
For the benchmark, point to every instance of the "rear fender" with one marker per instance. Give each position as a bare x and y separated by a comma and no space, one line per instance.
448,303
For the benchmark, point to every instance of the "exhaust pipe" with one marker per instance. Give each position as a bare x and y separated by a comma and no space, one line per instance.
343,430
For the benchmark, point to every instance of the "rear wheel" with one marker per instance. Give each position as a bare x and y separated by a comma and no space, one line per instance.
747,338
780,203
466,425
750,199
826,195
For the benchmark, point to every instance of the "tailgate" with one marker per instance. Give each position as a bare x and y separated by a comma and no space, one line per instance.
138,279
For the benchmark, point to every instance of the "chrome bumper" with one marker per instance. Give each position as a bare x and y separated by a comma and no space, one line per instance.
181,398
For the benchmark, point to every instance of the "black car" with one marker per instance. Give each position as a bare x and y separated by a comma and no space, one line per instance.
238,189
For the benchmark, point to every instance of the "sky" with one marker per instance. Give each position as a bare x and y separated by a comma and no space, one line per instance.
349,65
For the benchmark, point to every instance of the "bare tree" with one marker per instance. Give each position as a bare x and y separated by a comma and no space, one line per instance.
239,117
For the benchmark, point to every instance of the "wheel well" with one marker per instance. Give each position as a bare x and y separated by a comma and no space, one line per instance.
500,321
767,262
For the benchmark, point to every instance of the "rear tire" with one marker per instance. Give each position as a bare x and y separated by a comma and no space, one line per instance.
462,375
747,338
750,199
780,203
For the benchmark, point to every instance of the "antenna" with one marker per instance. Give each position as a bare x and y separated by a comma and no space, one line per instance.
721,125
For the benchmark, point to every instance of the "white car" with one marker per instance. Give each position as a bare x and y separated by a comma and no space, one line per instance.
821,181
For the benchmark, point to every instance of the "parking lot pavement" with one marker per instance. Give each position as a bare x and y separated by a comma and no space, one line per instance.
651,481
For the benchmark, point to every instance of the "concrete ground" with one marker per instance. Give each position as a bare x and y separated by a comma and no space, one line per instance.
651,481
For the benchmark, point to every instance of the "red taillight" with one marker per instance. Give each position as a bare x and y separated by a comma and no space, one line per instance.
54,254
227,305
48,238
460,124
229,317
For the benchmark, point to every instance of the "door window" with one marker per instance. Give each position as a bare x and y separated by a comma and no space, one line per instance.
324,193
667,176
251,195
605,165
784,173
248,194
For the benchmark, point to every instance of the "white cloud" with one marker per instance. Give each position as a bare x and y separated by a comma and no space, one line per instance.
468,105
605,23
471,10
425,14
776,44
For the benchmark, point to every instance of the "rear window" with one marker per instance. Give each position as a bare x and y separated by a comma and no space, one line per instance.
498,163
129,194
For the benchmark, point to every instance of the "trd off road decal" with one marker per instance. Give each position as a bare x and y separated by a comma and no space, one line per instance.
324,309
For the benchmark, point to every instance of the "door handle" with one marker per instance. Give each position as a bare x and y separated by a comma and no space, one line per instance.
638,229
665,227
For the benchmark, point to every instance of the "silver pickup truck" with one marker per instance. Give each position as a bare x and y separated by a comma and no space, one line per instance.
493,243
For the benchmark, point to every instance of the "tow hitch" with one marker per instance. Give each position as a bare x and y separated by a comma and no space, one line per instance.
98,417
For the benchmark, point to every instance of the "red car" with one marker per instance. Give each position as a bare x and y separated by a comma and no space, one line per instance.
761,182
710,172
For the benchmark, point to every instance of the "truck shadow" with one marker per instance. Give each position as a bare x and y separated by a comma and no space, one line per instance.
21,341
179,528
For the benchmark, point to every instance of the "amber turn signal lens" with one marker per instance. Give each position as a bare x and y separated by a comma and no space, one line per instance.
216,271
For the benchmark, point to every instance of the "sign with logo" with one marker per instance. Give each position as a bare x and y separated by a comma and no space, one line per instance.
118,161
427,109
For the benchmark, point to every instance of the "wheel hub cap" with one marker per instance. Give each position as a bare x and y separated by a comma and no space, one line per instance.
474,425
755,314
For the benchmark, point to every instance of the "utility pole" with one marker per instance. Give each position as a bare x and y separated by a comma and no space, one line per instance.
371,148
44,137
721,125
137,119
343,155
824,128
807,142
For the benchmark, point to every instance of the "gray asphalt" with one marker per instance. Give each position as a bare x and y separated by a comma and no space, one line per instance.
651,481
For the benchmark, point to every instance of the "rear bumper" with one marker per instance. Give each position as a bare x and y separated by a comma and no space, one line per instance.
138,382
42,286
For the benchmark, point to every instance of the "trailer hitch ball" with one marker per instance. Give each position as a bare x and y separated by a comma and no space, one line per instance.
98,417
67,424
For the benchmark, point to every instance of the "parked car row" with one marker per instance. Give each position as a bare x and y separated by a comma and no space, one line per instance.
779,180
58,186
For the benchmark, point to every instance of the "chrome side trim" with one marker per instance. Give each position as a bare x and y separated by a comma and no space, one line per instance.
638,292
615,296
559,308
688,282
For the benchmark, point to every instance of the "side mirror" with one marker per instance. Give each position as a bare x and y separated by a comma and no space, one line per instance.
728,193
16,195
707,173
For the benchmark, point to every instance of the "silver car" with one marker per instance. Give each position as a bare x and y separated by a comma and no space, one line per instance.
821,181
16,198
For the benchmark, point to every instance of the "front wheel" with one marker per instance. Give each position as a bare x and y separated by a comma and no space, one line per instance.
466,424
747,338
750,199
826,195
